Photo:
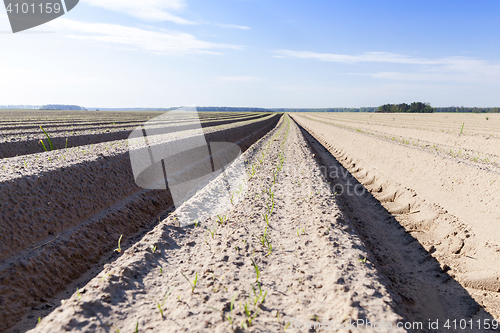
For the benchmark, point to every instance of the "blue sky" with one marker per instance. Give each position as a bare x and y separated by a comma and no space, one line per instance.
262,53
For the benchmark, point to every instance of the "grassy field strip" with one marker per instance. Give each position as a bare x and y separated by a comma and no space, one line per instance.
75,210
241,271
449,207
482,158
475,124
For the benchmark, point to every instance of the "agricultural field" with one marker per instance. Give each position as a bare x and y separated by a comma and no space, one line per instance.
63,210
386,219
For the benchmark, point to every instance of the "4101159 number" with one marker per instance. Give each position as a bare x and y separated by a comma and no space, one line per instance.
26,8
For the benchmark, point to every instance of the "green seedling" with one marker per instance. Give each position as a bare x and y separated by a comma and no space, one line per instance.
160,305
462,130
78,294
105,276
192,284
267,219
39,320
213,232
363,260
221,219
196,222
259,296
137,327
250,318
119,249
153,248
269,247
161,270
66,146
257,271
51,145
229,316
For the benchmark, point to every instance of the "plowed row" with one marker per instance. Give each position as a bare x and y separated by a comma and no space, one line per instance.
62,211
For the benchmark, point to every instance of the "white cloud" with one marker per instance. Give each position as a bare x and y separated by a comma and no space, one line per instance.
239,79
148,10
157,42
233,26
345,58
439,69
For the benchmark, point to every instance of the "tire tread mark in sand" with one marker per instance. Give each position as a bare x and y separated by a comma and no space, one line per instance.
414,276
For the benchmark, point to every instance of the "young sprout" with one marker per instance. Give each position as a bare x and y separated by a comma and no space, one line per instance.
78,294
193,284
221,219
250,318
196,222
213,232
267,219
160,306
229,317
153,248
51,146
258,297
257,271
119,249
363,260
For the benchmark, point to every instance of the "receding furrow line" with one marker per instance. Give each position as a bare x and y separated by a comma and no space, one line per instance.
478,158
396,226
33,145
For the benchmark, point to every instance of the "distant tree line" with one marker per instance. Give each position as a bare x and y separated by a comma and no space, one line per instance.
415,107
229,109
62,107
362,109
467,109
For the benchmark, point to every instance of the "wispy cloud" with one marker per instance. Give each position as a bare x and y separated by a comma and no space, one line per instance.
439,69
158,42
148,10
233,26
239,79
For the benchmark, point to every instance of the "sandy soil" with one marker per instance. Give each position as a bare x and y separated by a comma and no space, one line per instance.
80,201
448,206
17,139
318,269
331,225
482,149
